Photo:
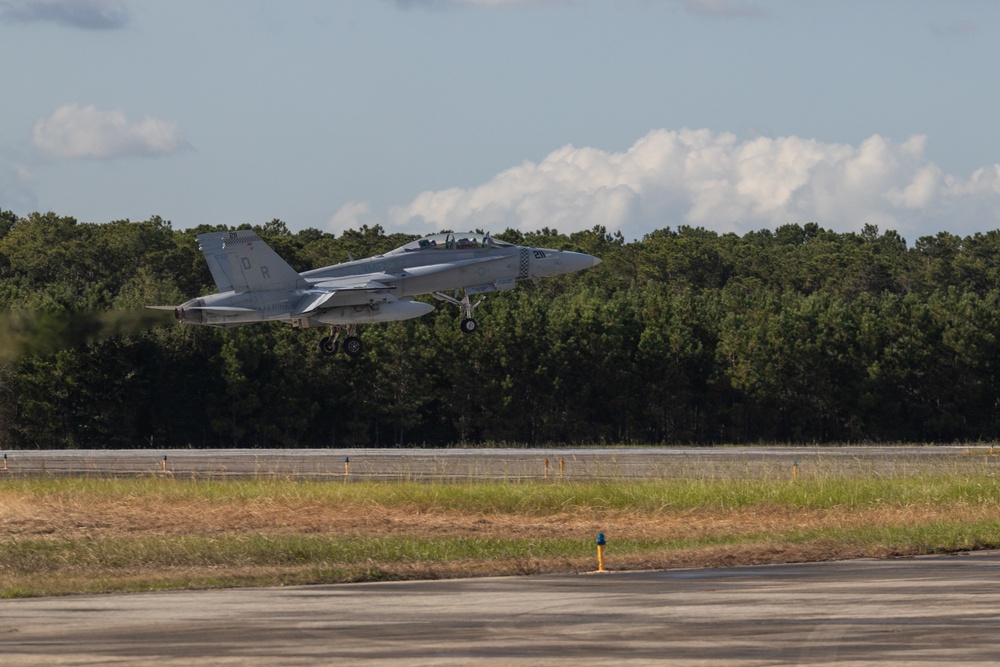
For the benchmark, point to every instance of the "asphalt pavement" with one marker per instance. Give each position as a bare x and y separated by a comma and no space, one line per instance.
932,610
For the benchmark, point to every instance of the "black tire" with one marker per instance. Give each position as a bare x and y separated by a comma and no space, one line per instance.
327,345
468,325
353,346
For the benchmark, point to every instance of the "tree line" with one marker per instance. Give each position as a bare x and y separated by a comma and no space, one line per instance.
688,336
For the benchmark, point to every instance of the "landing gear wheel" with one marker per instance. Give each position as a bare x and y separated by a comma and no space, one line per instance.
353,346
468,325
328,345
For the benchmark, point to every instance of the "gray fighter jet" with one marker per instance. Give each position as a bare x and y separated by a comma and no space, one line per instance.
256,285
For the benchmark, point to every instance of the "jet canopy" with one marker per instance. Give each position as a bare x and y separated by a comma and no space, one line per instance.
451,241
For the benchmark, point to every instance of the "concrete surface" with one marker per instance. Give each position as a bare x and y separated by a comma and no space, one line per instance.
932,610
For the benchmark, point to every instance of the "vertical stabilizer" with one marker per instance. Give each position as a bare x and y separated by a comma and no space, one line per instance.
254,267
213,245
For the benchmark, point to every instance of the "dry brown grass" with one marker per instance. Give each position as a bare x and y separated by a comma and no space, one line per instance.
61,517
25,516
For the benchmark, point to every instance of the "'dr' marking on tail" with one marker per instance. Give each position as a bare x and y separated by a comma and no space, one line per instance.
241,262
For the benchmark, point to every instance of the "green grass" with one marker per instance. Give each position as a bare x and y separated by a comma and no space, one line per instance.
41,556
895,515
47,560
535,497
270,551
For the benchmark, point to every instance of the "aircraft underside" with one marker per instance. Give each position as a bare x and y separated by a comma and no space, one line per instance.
345,320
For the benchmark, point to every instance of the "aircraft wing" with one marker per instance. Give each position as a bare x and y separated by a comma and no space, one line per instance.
337,292
328,293
226,310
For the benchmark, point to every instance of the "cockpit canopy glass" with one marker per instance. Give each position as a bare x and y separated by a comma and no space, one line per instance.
451,241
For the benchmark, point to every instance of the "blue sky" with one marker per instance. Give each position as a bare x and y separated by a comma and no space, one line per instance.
419,115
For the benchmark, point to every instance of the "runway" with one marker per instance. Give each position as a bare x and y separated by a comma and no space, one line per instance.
920,611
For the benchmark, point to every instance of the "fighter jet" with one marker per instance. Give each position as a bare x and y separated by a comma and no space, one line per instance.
256,285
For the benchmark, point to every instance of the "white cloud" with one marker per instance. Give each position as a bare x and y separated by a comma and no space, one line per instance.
984,181
714,180
73,131
86,14
352,215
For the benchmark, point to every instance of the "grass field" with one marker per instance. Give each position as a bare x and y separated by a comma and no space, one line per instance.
61,535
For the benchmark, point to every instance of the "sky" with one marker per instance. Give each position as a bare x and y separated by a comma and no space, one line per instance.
422,115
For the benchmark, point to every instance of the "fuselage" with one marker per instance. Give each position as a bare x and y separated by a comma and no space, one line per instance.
380,288
415,271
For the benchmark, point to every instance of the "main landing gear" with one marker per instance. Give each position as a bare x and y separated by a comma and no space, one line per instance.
352,344
467,325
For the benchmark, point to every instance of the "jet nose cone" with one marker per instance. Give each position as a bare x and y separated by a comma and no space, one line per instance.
553,262
578,261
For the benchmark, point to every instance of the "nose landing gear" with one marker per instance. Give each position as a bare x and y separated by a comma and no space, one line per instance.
467,325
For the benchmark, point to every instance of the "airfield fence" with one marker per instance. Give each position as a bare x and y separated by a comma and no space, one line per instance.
513,465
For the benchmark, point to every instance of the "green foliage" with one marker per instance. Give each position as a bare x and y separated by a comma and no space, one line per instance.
687,336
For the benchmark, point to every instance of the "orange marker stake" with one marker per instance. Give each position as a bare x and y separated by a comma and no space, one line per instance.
347,465
546,468
562,463
601,543
164,463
